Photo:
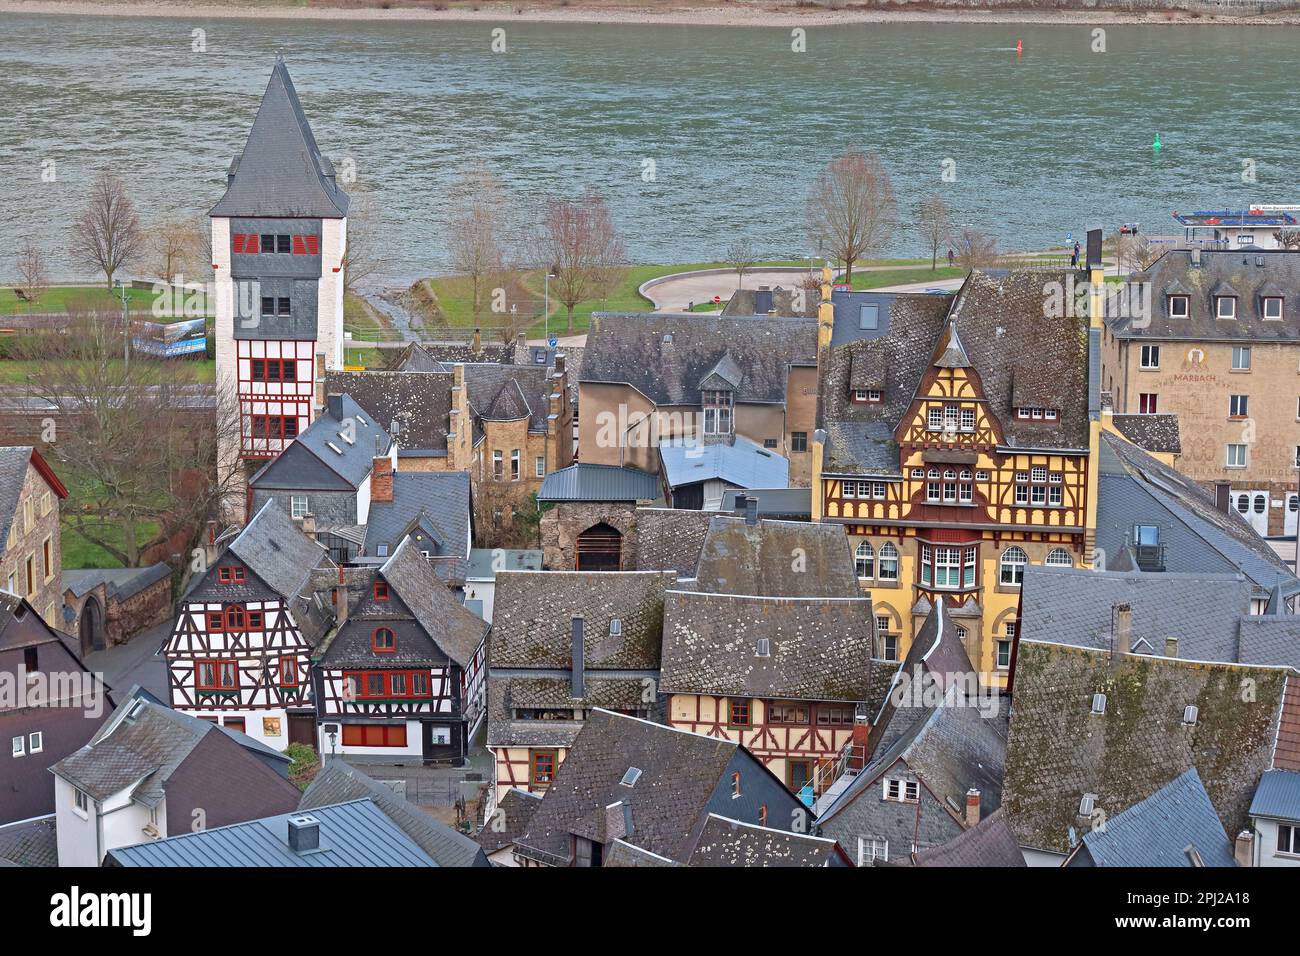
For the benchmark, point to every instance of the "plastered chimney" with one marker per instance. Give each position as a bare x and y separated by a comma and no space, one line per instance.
1243,848
1123,629
972,807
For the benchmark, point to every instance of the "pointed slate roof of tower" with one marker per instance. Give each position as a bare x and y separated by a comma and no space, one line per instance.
281,171
954,353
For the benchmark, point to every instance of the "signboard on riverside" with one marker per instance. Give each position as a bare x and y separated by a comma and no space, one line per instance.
169,339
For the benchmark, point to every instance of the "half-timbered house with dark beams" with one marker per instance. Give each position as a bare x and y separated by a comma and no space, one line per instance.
953,443
401,675
240,651
564,643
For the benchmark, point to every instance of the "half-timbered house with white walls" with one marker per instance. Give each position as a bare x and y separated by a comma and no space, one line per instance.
563,643
279,235
240,651
401,676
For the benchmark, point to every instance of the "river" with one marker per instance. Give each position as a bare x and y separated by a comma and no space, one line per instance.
732,124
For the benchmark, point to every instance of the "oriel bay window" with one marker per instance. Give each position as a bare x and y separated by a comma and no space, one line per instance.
274,370
718,405
388,685
949,567
216,677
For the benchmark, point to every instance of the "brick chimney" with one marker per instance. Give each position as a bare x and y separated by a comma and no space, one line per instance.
972,807
1123,628
381,480
1171,647
341,599
1243,848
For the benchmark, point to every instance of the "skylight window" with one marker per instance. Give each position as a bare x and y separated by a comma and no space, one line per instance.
1099,703
631,777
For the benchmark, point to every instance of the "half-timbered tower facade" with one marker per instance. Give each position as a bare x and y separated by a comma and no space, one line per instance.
401,674
240,650
279,236
955,440
783,677
564,643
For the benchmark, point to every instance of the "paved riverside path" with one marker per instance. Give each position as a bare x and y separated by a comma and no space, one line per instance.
675,293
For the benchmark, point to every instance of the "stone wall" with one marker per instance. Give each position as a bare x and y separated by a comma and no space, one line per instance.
561,526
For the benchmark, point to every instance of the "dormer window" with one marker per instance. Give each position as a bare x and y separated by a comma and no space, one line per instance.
1035,413
615,627
1225,307
231,574
868,396
718,404
1273,308
1178,306
381,590
383,641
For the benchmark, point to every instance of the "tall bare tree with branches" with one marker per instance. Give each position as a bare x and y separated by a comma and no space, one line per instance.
581,247
477,238
852,208
137,443
740,255
33,277
976,249
107,235
174,246
361,255
933,225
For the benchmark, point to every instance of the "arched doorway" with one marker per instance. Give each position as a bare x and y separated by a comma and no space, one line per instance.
600,548
92,626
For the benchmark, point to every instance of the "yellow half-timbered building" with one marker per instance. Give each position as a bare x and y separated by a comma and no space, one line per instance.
954,440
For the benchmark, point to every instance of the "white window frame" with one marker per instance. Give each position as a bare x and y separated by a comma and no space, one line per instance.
887,553
1009,562
1220,301
1281,308
35,742
18,746
1149,357
864,554
1185,301
299,505
871,850
1242,454
539,466
1241,352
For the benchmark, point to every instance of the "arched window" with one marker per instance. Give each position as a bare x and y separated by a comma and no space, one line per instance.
1012,566
1059,558
888,568
382,641
236,619
865,559
1243,503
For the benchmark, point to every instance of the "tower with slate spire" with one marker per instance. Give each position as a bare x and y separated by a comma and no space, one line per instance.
278,239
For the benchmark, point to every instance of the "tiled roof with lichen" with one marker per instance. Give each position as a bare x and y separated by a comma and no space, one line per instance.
669,539
1058,750
777,558
1156,433
817,648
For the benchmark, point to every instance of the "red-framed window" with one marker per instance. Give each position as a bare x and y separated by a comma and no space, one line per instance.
374,735
216,675
543,768
273,369
739,713
231,574
389,685
274,426
735,784
383,641
216,622
381,590
255,620
288,670
762,815
236,618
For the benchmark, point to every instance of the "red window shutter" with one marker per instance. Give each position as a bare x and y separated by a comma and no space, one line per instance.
238,242
251,246
299,247
313,245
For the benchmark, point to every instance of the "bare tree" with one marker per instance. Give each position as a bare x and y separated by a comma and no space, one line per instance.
1288,238
33,277
1133,253
740,255
174,245
976,249
135,442
107,235
851,208
934,225
581,247
476,242
361,256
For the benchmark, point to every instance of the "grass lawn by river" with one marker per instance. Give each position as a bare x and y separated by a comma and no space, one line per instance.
60,298
15,371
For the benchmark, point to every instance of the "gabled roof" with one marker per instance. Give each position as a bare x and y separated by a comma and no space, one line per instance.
510,392
790,504
1176,826
345,438
352,834
433,503
1278,796
413,406
281,172
817,648
1058,750
990,843
456,630
743,463
1269,639
509,820
276,550
666,356
669,539
29,843
953,354
337,782
14,460
776,558
727,842
604,483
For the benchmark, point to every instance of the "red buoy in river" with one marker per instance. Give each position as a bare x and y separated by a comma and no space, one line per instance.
1019,47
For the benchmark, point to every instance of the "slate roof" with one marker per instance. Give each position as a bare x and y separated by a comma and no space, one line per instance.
630,348
457,631
791,504
1134,488
356,833
588,482
1155,433
679,773
743,463
1159,830
483,561
1278,795
30,843
509,820
439,502
140,746
819,648
120,583
726,842
1058,751
759,302
999,322
533,611
620,853
510,392
669,539
415,407
1269,639
1173,272
13,475
281,172
1073,606
274,548
990,843
777,558
337,782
